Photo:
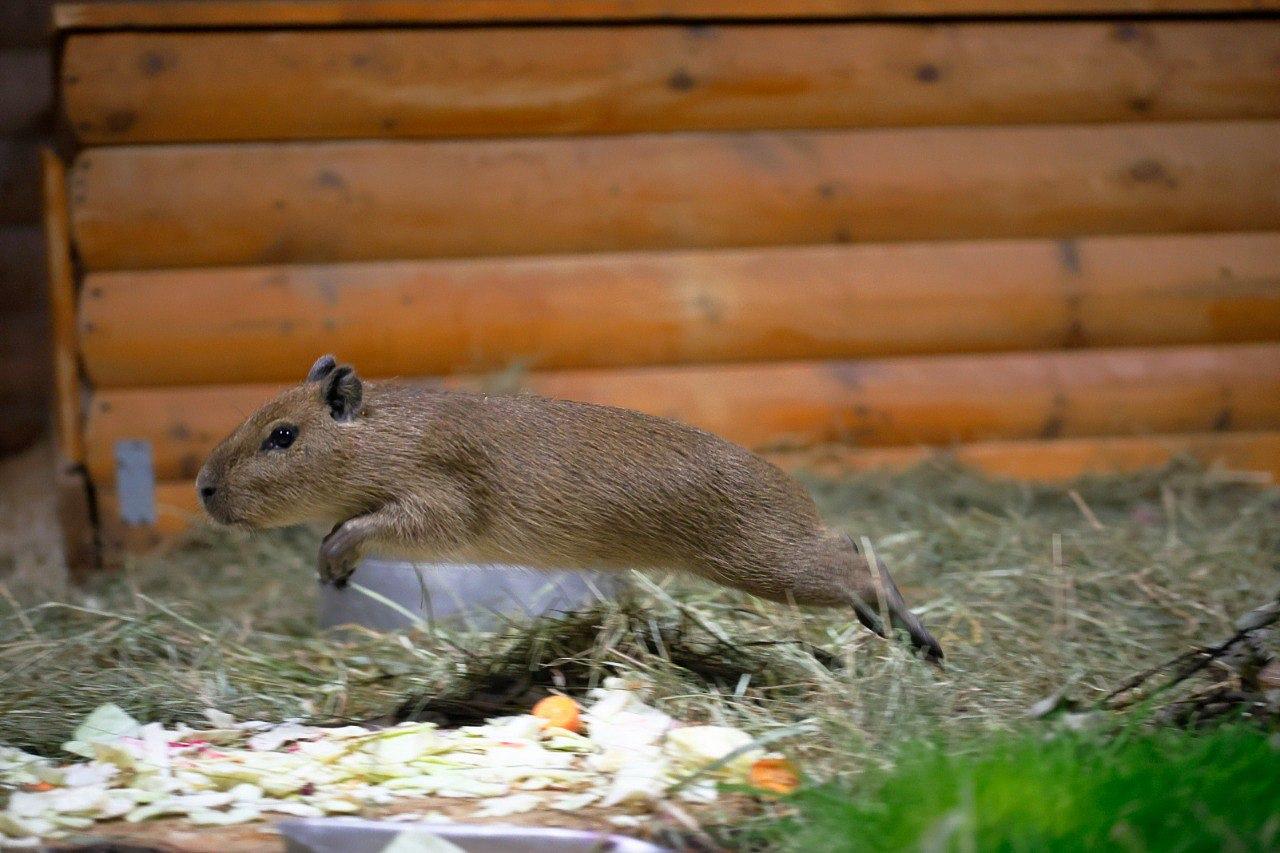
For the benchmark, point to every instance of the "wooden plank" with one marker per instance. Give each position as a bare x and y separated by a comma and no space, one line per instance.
19,180
901,401
193,205
26,91
435,317
22,271
1055,460
140,14
72,488
67,418
159,87
1254,454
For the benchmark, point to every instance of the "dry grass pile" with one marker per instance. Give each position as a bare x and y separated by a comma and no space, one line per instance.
1029,590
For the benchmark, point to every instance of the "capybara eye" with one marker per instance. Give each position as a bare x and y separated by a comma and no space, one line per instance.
280,438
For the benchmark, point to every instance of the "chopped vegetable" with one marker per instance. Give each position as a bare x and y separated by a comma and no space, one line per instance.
617,750
106,723
774,774
504,806
696,746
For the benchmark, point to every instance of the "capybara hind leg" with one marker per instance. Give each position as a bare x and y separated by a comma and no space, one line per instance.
803,575
841,576
873,586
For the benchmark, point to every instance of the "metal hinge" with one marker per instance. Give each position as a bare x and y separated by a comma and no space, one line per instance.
135,482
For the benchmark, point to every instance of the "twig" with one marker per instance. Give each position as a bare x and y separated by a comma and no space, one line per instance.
1189,663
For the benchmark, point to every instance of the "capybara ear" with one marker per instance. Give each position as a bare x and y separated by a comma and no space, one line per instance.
323,367
343,392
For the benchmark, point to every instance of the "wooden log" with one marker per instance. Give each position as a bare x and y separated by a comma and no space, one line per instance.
1254,454
245,85
160,327
195,205
900,401
141,14
26,91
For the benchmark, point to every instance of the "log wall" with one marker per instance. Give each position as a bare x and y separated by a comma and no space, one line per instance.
158,327
210,205
868,402
1044,236
517,81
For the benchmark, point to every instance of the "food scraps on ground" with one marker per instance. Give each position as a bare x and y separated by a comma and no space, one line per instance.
617,752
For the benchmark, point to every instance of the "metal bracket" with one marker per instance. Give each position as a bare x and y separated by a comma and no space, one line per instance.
135,482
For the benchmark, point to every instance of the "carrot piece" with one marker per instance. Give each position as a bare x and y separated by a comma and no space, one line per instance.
560,711
774,774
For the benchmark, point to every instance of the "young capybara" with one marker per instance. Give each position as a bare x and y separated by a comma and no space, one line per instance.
427,474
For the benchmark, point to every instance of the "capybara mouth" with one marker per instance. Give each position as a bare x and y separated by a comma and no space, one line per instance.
222,517
219,512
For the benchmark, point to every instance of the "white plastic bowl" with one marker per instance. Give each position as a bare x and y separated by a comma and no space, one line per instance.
387,595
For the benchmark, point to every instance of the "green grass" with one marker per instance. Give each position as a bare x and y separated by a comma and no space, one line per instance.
1167,790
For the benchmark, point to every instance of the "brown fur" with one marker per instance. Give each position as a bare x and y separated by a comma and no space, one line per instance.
438,475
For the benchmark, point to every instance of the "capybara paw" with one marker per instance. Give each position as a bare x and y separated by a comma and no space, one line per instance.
339,554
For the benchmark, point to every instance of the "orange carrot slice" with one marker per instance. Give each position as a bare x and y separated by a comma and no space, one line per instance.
774,774
560,711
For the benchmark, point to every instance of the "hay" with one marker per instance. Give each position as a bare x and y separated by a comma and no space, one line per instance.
1028,589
